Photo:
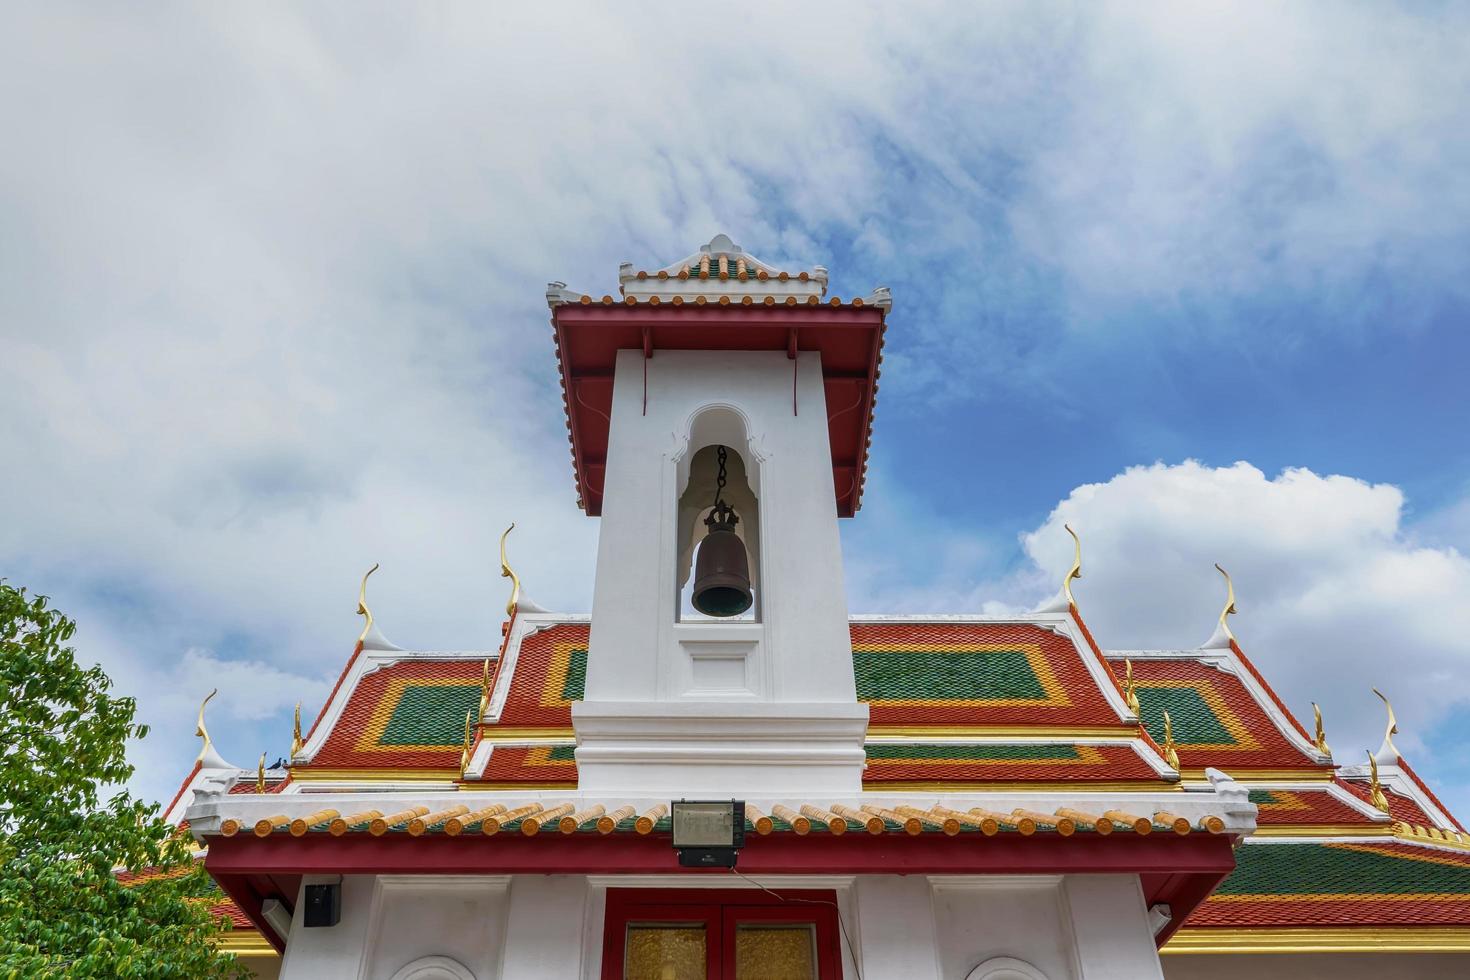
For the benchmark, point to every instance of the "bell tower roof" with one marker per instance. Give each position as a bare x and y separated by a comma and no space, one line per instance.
720,298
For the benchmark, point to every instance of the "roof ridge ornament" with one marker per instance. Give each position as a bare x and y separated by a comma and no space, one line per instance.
464,754
1062,602
1130,686
1222,637
209,757
1076,570
362,606
260,775
505,572
1388,752
297,744
1320,738
1375,788
1171,751
485,691
371,638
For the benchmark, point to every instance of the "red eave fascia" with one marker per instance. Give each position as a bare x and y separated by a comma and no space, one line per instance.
720,327
1180,871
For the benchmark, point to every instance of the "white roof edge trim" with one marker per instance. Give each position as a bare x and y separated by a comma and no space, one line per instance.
332,711
1273,710
1226,657
1396,780
522,627
481,759
1350,800
1155,761
1097,669
370,661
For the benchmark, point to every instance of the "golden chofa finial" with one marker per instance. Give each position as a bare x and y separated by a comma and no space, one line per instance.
260,775
464,754
201,731
1388,750
362,606
505,572
296,743
1130,687
1229,609
1321,734
485,691
1375,788
1171,752
1076,570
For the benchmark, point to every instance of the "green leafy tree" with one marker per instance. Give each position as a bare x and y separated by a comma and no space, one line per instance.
88,887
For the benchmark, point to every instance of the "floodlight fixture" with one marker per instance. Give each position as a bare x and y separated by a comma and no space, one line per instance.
708,833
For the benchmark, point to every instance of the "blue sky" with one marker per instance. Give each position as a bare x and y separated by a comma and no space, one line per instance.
1190,277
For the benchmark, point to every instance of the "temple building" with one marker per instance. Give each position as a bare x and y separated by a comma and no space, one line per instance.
721,772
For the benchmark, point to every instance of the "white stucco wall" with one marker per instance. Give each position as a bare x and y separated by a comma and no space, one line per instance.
899,927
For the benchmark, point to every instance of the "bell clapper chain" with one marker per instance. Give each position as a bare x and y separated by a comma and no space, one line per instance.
721,515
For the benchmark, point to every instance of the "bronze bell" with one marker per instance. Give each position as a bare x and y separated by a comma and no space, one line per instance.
722,571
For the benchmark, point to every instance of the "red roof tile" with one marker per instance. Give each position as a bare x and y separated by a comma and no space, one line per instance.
912,761
1217,722
408,715
1277,807
1399,807
915,674
1341,884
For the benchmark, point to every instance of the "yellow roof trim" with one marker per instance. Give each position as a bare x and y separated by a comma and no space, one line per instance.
1120,732
495,733
245,943
1324,830
1080,787
1321,939
1264,775
314,774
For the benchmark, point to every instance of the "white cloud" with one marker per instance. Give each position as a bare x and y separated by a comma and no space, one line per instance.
1334,595
270,280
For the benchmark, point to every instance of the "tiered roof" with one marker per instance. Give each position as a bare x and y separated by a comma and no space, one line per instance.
1025,704
1017,730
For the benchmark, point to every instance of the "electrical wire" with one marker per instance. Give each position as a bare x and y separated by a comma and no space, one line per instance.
842,926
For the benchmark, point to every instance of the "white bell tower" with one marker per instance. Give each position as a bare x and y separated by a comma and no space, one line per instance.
719,350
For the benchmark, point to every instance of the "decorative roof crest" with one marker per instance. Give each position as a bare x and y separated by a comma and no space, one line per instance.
1076,570
1130,686
464,755
1222,637
371,637
485,691
1388,752
296,742
505,572
208,757
362,606
1062,601
260,775
1375,788
1171,751
1320,737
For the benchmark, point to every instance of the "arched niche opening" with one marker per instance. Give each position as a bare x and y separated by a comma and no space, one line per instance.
710,430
